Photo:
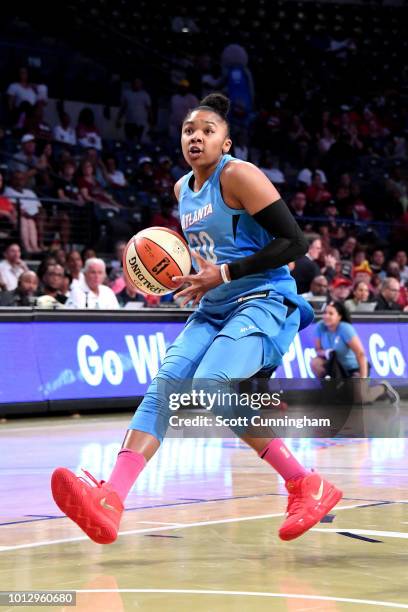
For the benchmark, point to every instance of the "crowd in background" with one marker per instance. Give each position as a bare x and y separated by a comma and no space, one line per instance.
340,161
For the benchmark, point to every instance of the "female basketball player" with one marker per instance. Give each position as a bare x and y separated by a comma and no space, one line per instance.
249,312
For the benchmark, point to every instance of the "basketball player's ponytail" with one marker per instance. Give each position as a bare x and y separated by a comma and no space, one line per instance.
218,103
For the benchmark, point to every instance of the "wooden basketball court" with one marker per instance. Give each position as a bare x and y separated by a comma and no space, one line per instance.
200,529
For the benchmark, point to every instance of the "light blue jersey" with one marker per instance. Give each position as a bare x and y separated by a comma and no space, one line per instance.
338,341
240,328
222,234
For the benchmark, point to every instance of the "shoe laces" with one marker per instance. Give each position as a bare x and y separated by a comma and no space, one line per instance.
98,483
294,504
295,500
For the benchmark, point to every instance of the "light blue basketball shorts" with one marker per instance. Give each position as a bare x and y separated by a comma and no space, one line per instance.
220,343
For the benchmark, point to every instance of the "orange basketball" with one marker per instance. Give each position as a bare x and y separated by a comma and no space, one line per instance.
153,256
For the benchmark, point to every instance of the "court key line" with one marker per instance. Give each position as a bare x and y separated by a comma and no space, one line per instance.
369,532
369,602
165,528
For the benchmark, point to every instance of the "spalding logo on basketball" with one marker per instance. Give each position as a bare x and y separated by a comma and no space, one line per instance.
153,256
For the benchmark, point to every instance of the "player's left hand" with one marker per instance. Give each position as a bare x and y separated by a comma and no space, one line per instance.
208,277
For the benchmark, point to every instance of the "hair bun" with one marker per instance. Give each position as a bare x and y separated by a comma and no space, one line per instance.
218,102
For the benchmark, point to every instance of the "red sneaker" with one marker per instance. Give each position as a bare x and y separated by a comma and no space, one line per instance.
310,499
97,510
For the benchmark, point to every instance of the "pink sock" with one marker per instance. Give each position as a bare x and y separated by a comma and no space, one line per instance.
128,466
277,454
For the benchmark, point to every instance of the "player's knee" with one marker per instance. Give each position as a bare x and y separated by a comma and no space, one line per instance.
206,378
175,367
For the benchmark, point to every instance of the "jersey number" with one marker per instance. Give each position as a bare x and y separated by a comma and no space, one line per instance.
203,243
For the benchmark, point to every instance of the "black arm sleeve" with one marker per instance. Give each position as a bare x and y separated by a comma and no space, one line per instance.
289,242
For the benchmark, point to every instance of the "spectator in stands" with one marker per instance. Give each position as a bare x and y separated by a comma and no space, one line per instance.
31,215
25,292
47,168
64,155
347,248
87,253
19,93
115,177
402,260
60,256
403,297
341,155
317,193
297,130
358,209
267,133
8,213
180,168
144,178
343,194
398,185
72,212
306,267
318,289
91,190
397,148
64,132
116,276
66,188
362,273
166,218
340,289
35,123
47,259
389,293
299,208
355,141
74,266
270,167
164,182
359,257
240,145
92,155
130,293
180,104
136,106
11,267
326,140
52,290
86,131
305,176
91,293
360,297
377,261
66,285
117,262
331,260
393,271
329,212
26,161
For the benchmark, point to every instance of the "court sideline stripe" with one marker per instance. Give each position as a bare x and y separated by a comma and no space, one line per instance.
185,502
137,531
369,602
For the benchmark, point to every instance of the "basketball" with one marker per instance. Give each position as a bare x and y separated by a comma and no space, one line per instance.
153,256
